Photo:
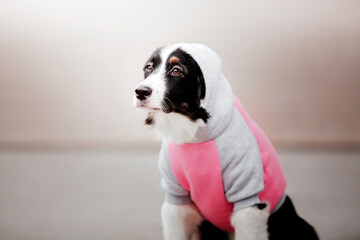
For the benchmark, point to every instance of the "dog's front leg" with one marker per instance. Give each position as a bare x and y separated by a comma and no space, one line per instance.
250,223
180,222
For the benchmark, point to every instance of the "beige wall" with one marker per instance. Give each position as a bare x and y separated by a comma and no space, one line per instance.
68,68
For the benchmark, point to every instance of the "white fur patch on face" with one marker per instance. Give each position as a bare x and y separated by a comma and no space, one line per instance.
156,81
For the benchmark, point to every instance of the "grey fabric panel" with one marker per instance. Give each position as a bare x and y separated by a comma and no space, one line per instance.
175,193
241,165
174,199
246,202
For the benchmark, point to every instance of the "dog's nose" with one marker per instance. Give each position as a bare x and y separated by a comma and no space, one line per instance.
142,92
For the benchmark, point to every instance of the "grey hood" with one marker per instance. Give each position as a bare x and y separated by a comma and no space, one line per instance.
219,96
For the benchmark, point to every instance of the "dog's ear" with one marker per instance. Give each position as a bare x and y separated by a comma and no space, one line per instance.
202,87
203,114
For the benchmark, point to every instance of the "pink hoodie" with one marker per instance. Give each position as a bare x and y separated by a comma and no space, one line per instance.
231,164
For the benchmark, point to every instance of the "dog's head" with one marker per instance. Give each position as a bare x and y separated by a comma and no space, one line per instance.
187,97
174,83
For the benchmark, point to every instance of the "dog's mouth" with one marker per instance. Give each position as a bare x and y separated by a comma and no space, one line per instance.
149,108
164,106
145,106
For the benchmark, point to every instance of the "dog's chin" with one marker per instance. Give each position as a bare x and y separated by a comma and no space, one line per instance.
171,125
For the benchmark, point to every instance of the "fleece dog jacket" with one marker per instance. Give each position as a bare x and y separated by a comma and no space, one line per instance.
230,164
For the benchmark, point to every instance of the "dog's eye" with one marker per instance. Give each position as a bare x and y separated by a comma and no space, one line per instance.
149,67
176,71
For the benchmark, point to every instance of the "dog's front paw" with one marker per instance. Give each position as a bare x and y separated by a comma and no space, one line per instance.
181,222
251,223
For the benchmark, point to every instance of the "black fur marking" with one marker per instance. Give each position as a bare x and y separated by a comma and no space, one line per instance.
149,119
184,89
261,206
154,61
210,232
285,223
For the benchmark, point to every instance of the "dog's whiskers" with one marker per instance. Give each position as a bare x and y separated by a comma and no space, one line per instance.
128,100
168,104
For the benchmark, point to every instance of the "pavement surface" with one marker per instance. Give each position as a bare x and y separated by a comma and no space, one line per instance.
108,195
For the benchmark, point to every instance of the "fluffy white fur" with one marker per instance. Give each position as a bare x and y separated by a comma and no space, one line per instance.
176,127
180,222
250,223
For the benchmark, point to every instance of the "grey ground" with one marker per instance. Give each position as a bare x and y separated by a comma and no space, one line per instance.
105,195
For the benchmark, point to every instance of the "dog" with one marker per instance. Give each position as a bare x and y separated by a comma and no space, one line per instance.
220,173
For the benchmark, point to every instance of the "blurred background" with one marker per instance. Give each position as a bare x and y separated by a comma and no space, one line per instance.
76,161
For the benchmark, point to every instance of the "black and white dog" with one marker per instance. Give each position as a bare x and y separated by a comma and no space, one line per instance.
220,173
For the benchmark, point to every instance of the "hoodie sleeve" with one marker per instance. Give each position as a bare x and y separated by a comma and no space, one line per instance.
174,192
242,169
